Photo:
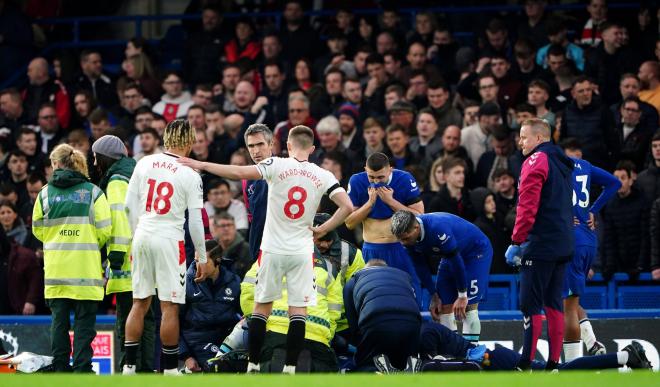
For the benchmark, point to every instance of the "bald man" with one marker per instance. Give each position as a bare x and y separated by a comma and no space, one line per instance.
649,76
542,241
42,89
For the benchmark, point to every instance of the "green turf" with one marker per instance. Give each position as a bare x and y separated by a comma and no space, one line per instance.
491,379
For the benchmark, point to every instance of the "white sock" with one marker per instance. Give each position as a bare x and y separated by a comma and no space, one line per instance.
471,326
128,370
449,321
289,369
572,350
587,333
253,367
171,371
622,357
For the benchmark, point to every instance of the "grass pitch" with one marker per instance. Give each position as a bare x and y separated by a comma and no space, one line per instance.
485,379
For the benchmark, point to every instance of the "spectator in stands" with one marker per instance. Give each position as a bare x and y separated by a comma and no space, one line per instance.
655,239
204,48
417,88
337,46
442,53
43,90
14,226
625,225
591,34
536,25
634,139
274,90
373,133
436,180
197,117
417,60
470,113
138,69
385,42
590,122
328,101
525,68
132,99
203,95
220,200
235,250
438,94
475,137
302,74
298,115
502,156
247,104
397,139
497,40
83,104
451,146
231,75
201,150
629,87
359,68
80,141
298,39
100,124
538,93
26,142
454,196
393,62
271,49
48,128
488,88
427,143
374,92
366,32
16,174
244,44
176,101
649,76
425,25
351,135
21,281
488,221
505,192
12,114
35,182
393,93
149,143
510,90
609,61
403,113
93,80
211,310
144,117
330,140
558,35
648,181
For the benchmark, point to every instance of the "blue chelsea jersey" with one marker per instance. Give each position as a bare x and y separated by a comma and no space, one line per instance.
402,183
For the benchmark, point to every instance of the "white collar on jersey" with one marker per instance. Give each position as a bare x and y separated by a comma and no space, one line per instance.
421,229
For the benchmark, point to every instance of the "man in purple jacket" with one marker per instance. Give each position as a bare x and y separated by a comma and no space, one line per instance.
542,239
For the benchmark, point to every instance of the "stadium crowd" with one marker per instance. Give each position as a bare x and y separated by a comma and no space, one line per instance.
446,111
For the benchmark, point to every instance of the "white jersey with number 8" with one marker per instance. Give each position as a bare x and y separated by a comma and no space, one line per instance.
165,189
295,189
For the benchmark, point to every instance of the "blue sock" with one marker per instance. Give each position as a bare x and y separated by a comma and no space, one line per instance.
592,363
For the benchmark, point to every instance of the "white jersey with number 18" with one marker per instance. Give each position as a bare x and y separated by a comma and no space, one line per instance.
164,190
295,189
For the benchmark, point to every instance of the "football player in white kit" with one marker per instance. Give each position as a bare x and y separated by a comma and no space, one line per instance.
159,193
295,188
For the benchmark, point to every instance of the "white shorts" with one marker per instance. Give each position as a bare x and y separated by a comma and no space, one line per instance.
298,271
159,263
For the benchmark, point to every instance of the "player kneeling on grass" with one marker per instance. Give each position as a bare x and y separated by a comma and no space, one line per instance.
211,310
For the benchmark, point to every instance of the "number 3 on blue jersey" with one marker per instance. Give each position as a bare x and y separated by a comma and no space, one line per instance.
584,191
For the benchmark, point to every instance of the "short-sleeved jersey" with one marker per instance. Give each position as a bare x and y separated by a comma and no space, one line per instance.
584,174
164,189
295,189
402,183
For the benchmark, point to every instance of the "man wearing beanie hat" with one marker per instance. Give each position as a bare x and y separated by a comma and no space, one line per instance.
112,161
351,137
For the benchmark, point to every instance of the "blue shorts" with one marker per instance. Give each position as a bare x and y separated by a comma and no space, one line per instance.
395,255
476,272
577,270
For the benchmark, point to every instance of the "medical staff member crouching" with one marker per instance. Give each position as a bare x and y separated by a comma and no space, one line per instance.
211,310
71,217
316,356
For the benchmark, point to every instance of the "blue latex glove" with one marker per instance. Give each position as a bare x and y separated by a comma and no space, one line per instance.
513,255
116,274
476,354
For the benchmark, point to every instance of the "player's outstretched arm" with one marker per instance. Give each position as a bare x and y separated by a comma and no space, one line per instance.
233,172
341,199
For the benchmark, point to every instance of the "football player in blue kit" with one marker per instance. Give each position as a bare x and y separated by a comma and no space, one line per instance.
376,194
466,255
576,322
